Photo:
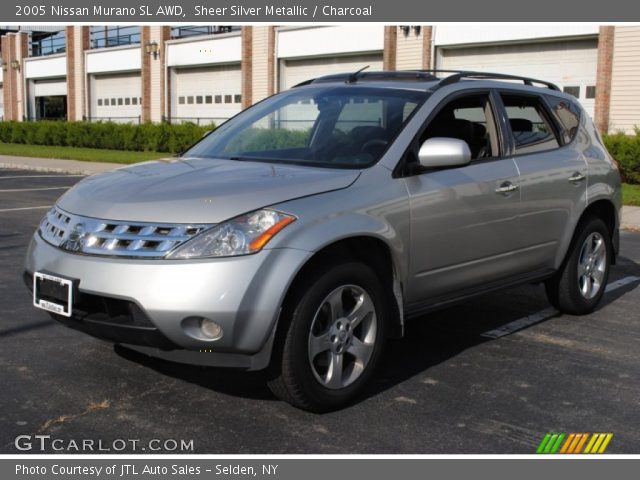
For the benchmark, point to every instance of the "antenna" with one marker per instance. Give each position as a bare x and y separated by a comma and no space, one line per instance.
353,78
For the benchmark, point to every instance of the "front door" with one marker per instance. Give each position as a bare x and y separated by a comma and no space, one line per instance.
464,219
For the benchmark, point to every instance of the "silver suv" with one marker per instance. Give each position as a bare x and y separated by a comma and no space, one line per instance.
305,231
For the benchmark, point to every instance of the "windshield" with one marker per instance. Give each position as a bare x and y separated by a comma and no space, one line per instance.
340,127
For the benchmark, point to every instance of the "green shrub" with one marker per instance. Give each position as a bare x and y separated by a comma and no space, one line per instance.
158,137
626,150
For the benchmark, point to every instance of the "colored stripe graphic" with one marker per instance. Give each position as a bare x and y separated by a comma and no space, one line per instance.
573,443
550,443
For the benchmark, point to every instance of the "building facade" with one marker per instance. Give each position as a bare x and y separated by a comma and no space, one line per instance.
209,73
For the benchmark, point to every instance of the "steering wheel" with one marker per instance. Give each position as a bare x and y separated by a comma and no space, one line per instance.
376,143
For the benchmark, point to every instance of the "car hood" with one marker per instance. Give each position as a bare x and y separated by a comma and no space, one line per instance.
196,190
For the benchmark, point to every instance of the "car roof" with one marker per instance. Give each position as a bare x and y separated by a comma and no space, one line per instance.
431,80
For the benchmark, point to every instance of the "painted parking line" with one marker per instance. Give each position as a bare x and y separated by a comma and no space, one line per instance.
42,207
547,313
34,189
5,177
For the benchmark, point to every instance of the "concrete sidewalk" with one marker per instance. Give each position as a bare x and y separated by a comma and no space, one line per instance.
56,165
630,215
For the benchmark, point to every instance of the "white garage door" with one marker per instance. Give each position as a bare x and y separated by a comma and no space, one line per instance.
569,64
116,97
49,88
1,103
207,94
296,71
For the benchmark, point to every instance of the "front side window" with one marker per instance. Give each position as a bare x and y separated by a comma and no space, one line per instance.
530,124
468,118
342,127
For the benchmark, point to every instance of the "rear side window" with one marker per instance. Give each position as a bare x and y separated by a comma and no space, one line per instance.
530,124
568,116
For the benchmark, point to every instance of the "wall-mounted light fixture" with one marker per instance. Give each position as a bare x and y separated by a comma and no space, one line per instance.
406,29
15,64
152,49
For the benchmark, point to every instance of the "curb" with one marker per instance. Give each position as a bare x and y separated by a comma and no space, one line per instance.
39,168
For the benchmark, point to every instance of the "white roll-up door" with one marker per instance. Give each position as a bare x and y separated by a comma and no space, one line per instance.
116,97
571,64
49,88
206,94
299,70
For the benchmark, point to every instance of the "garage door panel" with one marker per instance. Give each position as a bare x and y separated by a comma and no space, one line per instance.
300,70
212,92
46,88
117,97
567,63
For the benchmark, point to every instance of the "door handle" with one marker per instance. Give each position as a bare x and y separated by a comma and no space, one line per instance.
506,188
576,177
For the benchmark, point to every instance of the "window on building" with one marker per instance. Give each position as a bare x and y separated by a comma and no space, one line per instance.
134,100
194,30
99,102
113,101
190,100
591,91
113,35
237,99
48,43
181,100
127,101
120,101
575,91
199,99
530,123
208,99
227,99
218,99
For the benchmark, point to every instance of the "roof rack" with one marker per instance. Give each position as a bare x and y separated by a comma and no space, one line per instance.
458,75
426,75
402,75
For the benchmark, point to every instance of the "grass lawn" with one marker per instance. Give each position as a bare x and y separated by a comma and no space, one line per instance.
631,194
74,153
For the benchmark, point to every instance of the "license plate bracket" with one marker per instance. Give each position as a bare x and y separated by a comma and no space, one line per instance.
53,293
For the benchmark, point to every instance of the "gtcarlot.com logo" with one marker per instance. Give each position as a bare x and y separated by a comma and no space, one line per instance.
574,442
45,443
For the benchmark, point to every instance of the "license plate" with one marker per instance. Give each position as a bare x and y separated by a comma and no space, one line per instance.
52,293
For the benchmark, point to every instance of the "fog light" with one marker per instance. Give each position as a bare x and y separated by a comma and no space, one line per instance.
210,329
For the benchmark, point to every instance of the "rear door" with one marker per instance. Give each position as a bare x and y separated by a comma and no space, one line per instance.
553,173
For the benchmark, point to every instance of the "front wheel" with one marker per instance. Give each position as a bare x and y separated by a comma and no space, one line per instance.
580,283
335,330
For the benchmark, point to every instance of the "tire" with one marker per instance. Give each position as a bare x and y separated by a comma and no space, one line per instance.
332,336
578,286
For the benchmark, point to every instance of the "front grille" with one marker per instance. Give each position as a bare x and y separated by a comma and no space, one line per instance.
114,238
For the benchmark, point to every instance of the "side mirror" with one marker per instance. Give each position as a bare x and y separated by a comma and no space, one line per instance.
444,152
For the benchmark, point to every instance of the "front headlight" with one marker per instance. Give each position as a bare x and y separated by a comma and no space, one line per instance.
239,236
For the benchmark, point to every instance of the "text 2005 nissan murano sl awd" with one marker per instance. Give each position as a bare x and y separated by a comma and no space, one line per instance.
305,231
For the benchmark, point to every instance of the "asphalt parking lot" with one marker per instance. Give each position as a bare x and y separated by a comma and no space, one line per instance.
462,381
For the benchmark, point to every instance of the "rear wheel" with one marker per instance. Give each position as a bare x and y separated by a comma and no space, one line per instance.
580,283
335,330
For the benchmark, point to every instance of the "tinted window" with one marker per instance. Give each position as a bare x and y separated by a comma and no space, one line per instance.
468,118
568,116
530,124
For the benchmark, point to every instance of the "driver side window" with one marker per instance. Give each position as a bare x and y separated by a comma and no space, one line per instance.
468,118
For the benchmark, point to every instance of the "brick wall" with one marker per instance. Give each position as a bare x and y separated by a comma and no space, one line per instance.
603,77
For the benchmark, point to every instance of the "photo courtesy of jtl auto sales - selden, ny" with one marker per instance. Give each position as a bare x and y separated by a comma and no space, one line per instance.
301,239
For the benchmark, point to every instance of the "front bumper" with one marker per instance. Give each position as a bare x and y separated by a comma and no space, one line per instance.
241,294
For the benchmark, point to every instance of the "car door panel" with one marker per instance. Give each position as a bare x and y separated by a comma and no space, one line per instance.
464,232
